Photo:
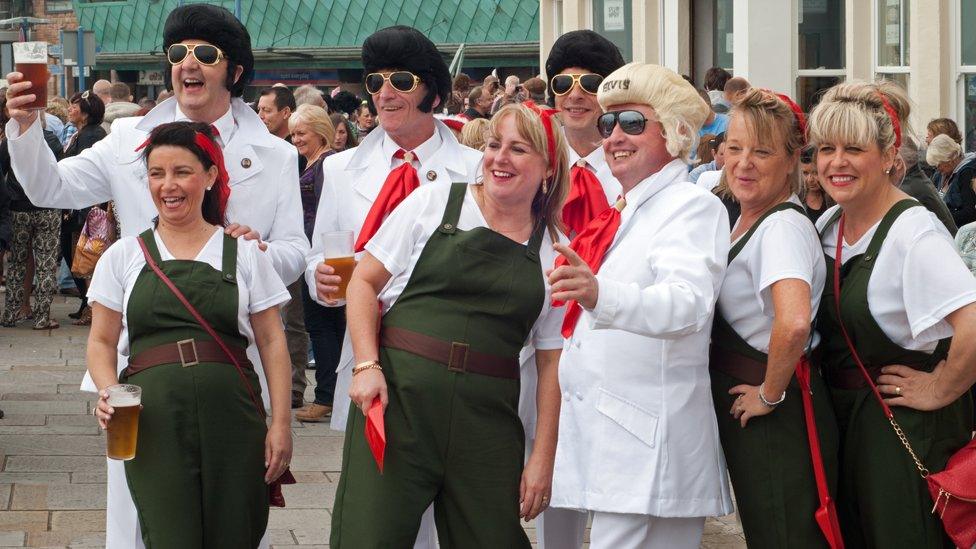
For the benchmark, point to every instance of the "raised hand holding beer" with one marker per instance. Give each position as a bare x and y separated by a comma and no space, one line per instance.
27,86
333,274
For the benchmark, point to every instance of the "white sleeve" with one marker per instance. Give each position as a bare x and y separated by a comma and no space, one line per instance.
394,242
73,183
264,286
689,260
547,330
935,283
287,243
784,253
326,220
107,286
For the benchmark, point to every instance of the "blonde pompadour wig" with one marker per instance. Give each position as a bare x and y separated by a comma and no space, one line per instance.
679,108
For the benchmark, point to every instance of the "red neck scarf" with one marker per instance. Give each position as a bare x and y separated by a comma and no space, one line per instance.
398,185
586,198
591,244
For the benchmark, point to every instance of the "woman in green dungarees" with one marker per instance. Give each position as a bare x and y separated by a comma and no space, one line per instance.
459,272
204,454
909,306
762,329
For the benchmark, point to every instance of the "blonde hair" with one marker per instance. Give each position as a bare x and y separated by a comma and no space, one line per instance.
546,207
943,148
58,106
317,120
771,121
854,113
679,108
473,133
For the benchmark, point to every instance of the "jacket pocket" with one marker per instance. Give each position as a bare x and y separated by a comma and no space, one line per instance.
634,419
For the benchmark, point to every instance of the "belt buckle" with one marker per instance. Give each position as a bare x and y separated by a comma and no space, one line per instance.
458,361
193,346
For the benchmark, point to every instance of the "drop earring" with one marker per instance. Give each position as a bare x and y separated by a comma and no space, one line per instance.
545,187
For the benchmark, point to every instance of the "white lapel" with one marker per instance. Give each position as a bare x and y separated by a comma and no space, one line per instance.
647,189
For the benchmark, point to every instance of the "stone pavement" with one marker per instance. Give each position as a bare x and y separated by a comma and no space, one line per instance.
52,479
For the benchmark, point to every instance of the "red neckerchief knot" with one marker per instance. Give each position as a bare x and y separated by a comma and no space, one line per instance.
398,185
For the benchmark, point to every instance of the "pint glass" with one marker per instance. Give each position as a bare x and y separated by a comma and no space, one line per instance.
339,255
30,59
123,428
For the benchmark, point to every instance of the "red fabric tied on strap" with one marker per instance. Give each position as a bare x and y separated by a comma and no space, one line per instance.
398,185
586,199
376,432
591,244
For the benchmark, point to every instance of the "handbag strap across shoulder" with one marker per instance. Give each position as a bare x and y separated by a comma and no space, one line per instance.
200,320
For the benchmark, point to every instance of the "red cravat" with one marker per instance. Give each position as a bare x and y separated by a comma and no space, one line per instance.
591,244
586,198
398,185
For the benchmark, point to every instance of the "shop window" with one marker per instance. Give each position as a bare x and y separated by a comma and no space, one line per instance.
614,20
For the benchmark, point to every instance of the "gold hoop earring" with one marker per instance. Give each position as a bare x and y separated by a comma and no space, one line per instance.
545,187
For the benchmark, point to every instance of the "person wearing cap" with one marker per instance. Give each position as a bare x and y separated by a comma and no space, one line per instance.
406,79
638,439
907,309
763,350
459,273
210,64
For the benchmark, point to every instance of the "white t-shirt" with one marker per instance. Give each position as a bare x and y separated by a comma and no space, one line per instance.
403,235
918,278
258,285
784,246
709,180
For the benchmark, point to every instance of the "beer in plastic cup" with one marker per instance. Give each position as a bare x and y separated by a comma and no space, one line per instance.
339,255
123,428
30,59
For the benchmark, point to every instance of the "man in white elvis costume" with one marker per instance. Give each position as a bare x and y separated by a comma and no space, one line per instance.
638,441
264,201
358,179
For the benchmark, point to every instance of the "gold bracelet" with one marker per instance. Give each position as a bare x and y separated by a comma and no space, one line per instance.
368,365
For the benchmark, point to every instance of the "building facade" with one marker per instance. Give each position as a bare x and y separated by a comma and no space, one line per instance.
800,47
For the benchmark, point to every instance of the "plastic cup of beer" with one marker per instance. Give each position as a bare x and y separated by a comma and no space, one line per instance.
339,254
123,428
30,59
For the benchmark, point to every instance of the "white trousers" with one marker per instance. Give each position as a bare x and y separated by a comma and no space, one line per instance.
560,528
427,535
623,531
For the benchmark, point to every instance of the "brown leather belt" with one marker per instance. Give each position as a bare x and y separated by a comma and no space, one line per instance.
458,357
188,352
852,378
743,368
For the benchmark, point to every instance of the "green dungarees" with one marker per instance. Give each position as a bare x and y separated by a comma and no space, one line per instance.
453,438
198,476
769,460
882,501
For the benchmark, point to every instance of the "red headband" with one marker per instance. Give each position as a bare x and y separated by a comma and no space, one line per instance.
212,150
895,124
801,119
545,114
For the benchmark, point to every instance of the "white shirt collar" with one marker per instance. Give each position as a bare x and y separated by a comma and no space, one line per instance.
225,124
424,152
595,161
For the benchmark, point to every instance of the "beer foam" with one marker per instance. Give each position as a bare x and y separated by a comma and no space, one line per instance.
123,399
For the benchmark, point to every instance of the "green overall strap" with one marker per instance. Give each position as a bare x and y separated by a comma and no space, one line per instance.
453,210
149,238
535,241
228,263
834,218
723,335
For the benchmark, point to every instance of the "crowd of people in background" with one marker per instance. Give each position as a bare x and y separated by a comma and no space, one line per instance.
671,346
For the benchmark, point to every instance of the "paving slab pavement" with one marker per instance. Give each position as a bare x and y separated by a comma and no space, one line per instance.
52,469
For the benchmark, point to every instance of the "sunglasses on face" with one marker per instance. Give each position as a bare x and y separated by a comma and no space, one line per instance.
563,83
631,122
205,54
402,81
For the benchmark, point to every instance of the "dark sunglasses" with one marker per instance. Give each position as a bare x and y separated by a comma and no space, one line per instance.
563,83
402,81
631,122
205,54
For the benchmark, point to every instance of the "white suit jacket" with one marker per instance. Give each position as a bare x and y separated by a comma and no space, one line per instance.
352,179
637,429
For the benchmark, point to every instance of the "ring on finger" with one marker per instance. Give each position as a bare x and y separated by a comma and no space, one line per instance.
897,390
